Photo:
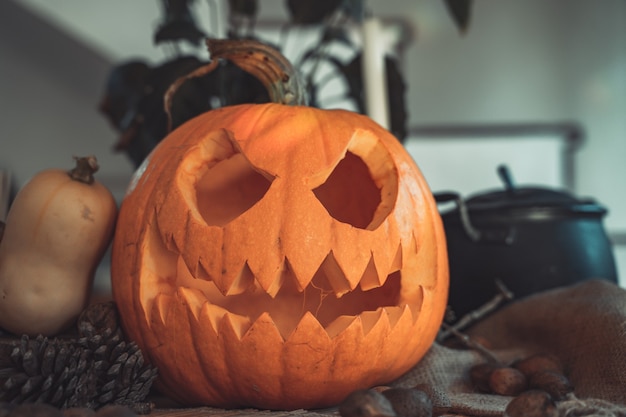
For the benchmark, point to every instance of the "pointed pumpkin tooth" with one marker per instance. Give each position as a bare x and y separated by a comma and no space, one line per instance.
272,287
371,278
387,261
238,324
230,275
393,314
271,276
201,272
335,276
265,332
369,319
353,260
161,306
202,260
215,314
169,241
339,325
243,281
194,298
407,318
415,299
305,264
396,264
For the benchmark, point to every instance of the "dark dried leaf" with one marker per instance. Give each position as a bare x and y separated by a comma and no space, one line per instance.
248,8
178,24
396,88
306,12
336,33
355,9
460,11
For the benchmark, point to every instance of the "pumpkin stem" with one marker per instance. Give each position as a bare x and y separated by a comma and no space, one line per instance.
85,167
283,83
264,62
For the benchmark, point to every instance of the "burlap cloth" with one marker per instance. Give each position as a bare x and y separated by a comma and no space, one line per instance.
584,325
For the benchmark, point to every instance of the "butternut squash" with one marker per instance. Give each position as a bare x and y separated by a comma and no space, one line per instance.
57,230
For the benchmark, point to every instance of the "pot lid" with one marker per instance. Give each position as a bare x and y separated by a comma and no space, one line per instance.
525,199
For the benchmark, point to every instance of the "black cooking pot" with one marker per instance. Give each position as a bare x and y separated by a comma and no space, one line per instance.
531,239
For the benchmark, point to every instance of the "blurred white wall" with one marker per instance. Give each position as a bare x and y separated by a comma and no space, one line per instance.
520,61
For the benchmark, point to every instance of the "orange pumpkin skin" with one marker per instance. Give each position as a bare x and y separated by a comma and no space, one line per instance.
239,234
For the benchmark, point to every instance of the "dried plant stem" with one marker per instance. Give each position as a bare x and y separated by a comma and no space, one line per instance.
472,344
85,168
473,316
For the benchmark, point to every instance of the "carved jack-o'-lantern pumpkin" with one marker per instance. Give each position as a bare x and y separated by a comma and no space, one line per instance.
279,256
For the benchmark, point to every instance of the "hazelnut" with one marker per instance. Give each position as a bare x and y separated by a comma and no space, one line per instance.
507,381
554,383
409,402
537,363
479,375
366,403
532,403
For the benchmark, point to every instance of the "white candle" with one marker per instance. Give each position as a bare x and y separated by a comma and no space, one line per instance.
374,71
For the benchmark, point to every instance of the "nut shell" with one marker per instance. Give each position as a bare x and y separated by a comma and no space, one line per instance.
507,381
366,403
532,403
539,362
554,383
479,375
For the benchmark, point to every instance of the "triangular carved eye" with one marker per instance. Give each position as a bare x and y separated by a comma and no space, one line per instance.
349,194
228,189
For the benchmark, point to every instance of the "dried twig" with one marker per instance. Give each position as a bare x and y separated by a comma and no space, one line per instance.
504,294
472,344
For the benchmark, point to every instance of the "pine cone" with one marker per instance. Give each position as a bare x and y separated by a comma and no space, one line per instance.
96,369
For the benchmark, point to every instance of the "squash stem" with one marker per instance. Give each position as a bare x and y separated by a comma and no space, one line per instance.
85,167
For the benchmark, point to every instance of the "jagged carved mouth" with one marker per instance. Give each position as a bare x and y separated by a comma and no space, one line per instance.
357,195
334,308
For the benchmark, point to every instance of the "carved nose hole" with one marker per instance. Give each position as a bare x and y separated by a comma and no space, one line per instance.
350,195
229,189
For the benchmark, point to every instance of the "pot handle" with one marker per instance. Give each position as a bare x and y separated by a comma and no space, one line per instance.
472,232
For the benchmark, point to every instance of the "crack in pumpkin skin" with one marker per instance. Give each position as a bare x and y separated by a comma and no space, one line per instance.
206,354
